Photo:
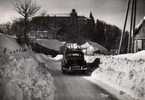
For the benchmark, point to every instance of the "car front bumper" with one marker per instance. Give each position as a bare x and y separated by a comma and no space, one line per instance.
75,68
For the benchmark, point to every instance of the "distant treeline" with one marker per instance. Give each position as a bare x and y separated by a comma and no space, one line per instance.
74,28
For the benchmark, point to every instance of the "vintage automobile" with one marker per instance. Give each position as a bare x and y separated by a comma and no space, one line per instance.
73,60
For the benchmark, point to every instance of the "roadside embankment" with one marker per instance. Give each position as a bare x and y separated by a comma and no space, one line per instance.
123,72
24,78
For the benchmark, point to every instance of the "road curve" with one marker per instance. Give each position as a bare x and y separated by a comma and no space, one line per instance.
75,87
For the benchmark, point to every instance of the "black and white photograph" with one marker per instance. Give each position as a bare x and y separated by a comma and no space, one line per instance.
72,49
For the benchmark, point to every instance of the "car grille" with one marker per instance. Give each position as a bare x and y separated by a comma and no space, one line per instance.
76,67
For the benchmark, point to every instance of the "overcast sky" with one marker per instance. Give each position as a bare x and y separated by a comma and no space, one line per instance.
111,11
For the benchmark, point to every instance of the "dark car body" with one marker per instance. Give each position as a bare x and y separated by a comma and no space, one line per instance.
73,60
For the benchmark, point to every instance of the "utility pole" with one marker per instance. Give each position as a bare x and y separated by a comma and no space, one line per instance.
132,26
120,45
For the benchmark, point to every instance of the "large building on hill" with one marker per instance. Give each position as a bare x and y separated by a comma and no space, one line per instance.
70,23
58,20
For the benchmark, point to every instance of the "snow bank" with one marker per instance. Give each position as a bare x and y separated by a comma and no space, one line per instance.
90,59
9,43
25,79
136,56
124,72
57,58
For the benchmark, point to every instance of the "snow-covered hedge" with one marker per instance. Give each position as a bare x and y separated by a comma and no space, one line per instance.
125,72
25,79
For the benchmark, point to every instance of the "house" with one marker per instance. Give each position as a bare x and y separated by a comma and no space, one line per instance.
92,47
60,25
139,39
58,21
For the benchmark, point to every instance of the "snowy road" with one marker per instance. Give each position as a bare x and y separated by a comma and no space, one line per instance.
74,87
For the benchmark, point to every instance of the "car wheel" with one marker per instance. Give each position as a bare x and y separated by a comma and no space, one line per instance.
63,70
87,72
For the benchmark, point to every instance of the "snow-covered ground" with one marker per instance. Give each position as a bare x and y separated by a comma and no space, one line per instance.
123,72
22,75
57,58
8,43
25,79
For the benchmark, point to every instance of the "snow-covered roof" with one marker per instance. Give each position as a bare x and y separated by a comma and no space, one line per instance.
140,30
85,45
95,45
51,43
140,23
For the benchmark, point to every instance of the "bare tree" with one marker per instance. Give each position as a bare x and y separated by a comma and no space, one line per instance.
27,9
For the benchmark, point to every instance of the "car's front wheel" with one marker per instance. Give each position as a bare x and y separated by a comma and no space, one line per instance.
87,72
63,70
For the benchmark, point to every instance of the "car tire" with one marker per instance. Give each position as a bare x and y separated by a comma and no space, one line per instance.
63,70
87,72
